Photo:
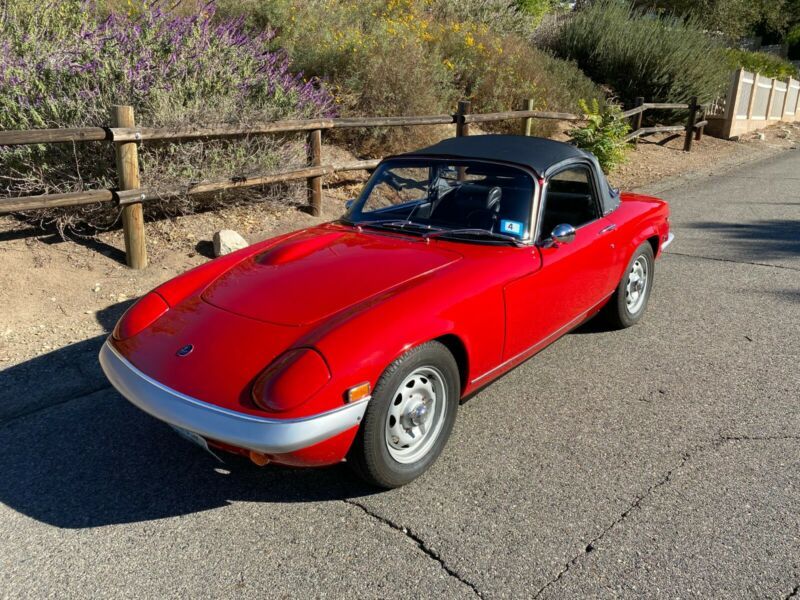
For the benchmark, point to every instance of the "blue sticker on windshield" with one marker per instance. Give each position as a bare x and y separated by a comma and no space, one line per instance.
511,228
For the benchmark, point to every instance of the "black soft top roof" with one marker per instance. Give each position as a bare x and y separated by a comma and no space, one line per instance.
538,154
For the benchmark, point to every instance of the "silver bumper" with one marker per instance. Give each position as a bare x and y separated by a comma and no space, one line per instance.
274,436
665,245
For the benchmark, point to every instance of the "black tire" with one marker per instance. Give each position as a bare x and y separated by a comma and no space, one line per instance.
617,312
370,456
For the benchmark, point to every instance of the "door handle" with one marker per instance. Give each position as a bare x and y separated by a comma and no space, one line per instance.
608,229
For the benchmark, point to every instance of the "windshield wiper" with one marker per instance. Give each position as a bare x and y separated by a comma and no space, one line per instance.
396,223
390,223
474,232
401,224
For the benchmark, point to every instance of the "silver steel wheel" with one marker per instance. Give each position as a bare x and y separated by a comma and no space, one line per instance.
416,415
636,286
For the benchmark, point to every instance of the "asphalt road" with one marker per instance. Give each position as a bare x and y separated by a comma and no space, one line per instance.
661,461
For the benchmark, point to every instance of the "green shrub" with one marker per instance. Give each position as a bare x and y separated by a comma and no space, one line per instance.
411,57
502,16
66,68
793,41
603,135
769,65
660,58
499,73
378,58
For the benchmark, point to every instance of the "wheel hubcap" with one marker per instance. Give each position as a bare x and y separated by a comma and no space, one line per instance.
636,286
416,415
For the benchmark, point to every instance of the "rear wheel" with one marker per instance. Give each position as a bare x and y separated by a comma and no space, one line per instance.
409,418
629,302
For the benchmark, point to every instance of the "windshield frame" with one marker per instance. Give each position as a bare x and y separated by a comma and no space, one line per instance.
354,217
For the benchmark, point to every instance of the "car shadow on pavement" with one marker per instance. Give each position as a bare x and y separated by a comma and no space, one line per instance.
761,240
76,454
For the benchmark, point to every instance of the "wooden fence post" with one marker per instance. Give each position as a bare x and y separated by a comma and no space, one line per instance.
527,122
770,101
797,107
315,183
733,102
751,105
700,130
462,127
693,108
637,119
786,98
128,173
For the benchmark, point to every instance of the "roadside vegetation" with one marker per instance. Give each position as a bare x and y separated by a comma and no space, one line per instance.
665,58
769,65
63,63
603,134
407,57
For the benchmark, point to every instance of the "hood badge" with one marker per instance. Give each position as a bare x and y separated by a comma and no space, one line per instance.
185,351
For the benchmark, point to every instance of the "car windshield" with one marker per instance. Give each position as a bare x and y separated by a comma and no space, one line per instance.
469,199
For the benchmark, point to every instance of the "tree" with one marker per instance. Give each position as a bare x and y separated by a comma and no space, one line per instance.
734,18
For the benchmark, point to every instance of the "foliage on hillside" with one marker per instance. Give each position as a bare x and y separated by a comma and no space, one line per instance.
62,66
603,134
638,54
769,65
402,57
734,18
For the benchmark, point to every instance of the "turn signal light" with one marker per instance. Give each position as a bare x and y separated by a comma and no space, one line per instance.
358,392
139,316
258,458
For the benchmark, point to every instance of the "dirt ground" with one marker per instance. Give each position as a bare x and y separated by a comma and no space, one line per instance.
55,292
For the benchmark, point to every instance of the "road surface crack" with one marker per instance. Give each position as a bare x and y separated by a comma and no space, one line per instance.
429,552
730,260
685,457
633,506
794,593
757,438
13,418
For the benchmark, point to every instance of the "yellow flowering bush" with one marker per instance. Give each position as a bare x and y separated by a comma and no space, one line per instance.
414,57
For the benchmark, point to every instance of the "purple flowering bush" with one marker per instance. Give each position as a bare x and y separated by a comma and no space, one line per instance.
63,66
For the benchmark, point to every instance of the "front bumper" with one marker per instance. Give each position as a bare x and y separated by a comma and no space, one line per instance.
665,244
261,434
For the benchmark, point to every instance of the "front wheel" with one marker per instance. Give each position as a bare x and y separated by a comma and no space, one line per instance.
626,307
409,418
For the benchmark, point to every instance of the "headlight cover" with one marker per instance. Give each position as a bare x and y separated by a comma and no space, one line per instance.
142,314
291,379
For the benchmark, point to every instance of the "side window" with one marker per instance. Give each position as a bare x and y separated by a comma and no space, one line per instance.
570,199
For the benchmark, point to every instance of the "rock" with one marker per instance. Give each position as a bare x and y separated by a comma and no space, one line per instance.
227,241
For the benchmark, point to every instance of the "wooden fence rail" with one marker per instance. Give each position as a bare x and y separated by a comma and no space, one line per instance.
126,136
693,128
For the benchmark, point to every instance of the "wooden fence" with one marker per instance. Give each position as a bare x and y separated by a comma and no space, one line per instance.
693,129
754,102
125,136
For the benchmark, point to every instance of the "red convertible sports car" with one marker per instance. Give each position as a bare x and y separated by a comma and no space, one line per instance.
356,340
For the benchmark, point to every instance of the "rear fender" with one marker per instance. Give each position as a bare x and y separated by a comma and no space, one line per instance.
645,234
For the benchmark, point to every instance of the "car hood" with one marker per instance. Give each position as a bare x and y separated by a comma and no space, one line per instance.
321,271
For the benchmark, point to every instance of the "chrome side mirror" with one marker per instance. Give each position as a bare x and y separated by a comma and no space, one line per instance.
349,203
562,234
